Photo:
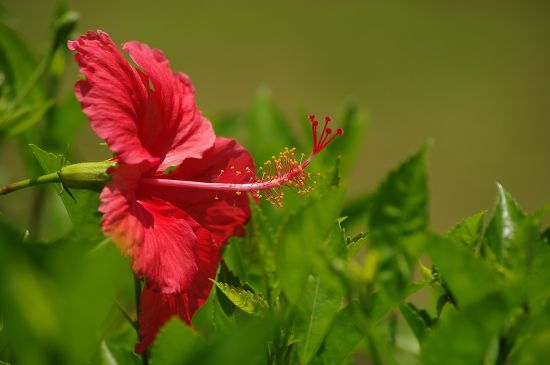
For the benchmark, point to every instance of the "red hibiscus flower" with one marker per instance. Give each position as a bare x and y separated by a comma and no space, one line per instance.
148,117
176,195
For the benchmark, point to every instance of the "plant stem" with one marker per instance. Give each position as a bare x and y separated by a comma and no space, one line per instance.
137,293
44,179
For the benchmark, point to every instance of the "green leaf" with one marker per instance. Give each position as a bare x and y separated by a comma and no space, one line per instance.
220,320
503,224
342,338
264,238
245,343
399,211
319,305
468,276
174,344
247,301
17,121
532,346
82,209
464,337
299,238
19,59
468,231
382,304
63,25
418,320
252,258
268,131
546,235
115,355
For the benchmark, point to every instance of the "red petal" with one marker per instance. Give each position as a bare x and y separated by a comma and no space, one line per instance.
154,233
222,213
140,122
185,133
113,96
157,308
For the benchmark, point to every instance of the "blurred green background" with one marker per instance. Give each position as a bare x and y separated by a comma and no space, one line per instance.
474,75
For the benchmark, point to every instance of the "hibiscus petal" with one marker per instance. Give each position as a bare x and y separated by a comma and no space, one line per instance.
222,213
148,116
185,132
113,96
154,233
157,308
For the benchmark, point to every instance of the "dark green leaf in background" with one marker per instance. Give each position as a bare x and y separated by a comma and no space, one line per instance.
175,343
464,337
399,211
268,130
344,335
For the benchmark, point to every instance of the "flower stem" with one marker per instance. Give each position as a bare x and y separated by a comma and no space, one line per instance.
44,179
137,293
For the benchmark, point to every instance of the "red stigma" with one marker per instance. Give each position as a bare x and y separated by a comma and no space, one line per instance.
323,140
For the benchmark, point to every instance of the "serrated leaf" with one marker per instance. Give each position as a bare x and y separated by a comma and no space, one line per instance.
399,211
400,207
247,301
468,231
503,224
342,338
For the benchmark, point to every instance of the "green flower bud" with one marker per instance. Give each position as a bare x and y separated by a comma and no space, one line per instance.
86,175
